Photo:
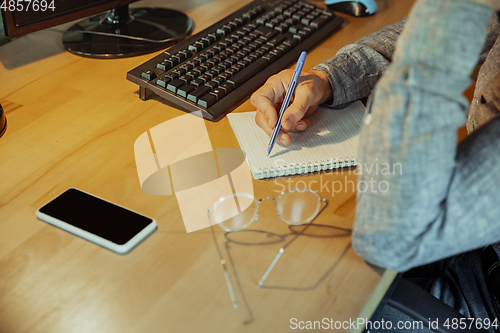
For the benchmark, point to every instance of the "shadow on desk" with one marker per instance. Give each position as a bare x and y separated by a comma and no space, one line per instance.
21,51
253,238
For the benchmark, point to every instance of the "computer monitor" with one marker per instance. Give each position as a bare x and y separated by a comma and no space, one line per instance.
119,32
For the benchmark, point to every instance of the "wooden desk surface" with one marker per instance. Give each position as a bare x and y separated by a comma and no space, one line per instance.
72,122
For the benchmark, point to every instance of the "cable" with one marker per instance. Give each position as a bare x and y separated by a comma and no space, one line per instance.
142,39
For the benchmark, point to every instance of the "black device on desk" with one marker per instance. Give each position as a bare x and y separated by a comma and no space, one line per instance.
3,122
121,32
357,8
214,70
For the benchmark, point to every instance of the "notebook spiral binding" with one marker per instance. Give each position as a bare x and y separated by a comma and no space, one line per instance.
294,169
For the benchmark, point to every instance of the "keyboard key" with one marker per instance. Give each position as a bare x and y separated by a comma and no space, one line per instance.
195,61
205,77
225,64
192,74
171,75
187,67
163,81
194,95
213,51
244,63
232,71
185,90
219,80
164,66
206,65
243,53
185,78
186,53
283,27
225,75
291,42
211,84
224,31
241,20
250,58
226,53
295,28
228,87
306,31
232,60
276,40
196,47
269,57
175,84
238,56
172,61
207,101
242,76
218,92
215,36
198,82
149,75
212,72
210,40
234,25
220,57
213,61
180,57
219,69
320,21
179,71
266,33
277,52
283,47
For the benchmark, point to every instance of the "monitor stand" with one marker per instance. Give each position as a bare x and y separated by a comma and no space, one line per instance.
97,36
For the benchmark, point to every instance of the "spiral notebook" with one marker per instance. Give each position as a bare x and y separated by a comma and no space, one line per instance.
330,142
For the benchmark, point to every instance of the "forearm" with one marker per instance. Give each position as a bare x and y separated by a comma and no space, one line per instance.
415,111
355,69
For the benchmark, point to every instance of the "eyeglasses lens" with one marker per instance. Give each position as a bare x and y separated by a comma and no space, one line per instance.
298,206
235,212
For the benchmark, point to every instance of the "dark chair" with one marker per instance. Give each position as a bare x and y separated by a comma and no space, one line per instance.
422,306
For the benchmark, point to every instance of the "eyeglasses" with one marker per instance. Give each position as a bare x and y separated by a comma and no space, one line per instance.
235,212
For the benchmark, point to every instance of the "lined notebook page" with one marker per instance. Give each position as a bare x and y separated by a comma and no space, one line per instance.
330,142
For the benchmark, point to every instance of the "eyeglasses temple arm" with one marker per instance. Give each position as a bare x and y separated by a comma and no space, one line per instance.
271,266
282,250
229,283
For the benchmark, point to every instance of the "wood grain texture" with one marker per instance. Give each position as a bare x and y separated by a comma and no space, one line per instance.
72,122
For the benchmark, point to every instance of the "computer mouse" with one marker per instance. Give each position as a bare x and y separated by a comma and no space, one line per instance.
3,122
353,7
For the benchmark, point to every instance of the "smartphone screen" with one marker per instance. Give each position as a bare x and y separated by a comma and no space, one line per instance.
95,216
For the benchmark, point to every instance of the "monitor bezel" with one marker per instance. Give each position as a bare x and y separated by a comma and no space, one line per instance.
12,30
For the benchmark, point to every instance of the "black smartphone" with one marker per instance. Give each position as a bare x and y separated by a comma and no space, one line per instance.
97,220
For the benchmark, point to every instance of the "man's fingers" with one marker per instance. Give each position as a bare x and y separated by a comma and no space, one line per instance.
267,98
261,121
299,108
263,100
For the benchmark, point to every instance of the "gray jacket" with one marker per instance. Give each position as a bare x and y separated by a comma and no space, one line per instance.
434,200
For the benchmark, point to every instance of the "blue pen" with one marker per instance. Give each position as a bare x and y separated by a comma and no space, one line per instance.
286,101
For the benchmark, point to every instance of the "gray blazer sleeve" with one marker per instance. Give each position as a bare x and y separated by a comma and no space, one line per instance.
420,198
355,69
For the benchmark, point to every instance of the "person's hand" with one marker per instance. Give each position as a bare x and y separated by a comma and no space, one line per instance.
313,88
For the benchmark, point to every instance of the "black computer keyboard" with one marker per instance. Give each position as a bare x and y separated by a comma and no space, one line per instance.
215,69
